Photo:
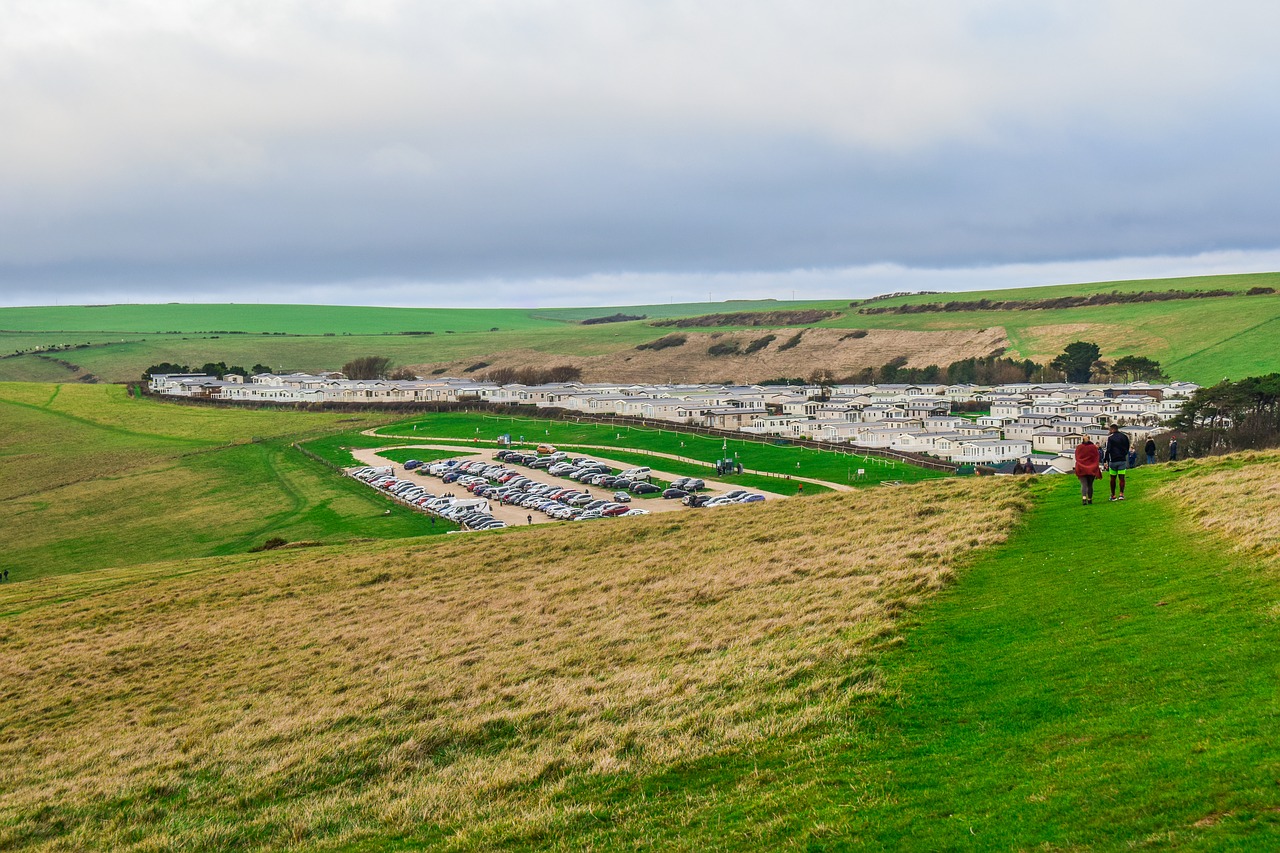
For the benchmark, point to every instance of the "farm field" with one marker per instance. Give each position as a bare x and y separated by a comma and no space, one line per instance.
93,478
1201,340
954,663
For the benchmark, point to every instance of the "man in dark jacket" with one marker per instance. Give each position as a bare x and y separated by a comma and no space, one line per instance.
1116,457
1150,449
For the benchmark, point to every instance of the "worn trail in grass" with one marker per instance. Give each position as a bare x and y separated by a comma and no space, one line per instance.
1110,678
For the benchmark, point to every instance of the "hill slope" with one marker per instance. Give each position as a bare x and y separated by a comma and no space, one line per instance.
1201,340
778,676
90,477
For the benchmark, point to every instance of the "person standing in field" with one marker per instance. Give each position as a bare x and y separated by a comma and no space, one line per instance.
1087,469
1173,450
1116,457
1150,449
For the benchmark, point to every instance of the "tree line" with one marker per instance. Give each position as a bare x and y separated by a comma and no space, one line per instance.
1229,416
1079,362
1057,302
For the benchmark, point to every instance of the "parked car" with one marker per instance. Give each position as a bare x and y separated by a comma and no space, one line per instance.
645,489
622,497
674,493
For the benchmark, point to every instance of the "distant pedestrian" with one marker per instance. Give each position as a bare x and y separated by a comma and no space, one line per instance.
800,489
1017,467
1150,449
6,574
1133,457
1116,457
531,519
1173,450
1087,468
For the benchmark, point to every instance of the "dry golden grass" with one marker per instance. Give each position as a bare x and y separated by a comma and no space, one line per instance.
1238,497
818,347
319,697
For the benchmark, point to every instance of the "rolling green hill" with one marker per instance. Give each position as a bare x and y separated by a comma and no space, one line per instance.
90,477
1201,340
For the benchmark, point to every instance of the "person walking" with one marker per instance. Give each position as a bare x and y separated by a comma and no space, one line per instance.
1150,449
1173,450
531,519
1087,468
1116,457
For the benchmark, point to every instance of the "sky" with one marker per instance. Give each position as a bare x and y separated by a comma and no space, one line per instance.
499,153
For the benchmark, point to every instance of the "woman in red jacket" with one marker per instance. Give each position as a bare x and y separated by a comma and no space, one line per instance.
1087,468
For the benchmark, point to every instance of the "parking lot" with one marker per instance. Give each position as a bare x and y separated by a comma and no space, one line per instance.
538,479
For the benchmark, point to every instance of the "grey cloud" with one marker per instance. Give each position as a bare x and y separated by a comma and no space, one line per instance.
323,145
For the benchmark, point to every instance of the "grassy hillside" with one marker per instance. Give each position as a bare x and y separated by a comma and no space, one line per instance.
448,690
979,663
1201,340
90,477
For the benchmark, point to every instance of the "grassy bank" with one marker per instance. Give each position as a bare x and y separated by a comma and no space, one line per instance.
91,477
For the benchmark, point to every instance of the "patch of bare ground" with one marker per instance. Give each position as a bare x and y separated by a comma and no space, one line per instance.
834,349
1238,497
314,698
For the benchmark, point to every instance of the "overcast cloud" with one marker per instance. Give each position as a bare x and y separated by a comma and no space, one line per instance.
494,152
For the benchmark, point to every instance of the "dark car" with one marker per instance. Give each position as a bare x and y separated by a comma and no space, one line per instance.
696,500
693,484
675,493
645,488
412,463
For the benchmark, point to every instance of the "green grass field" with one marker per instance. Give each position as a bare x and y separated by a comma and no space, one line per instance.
788,460
1197,340
90,477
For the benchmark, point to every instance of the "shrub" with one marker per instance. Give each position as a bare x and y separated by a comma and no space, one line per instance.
791,342
613,318
667,342
270,545
725,348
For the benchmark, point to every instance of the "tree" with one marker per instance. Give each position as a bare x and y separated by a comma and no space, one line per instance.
261,368
368,367
824,379
1138,368
403,374
163,368
1077,360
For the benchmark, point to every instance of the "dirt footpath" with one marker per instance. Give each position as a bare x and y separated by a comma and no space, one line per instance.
516,516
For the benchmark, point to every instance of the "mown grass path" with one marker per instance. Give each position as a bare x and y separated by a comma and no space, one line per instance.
1109,679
